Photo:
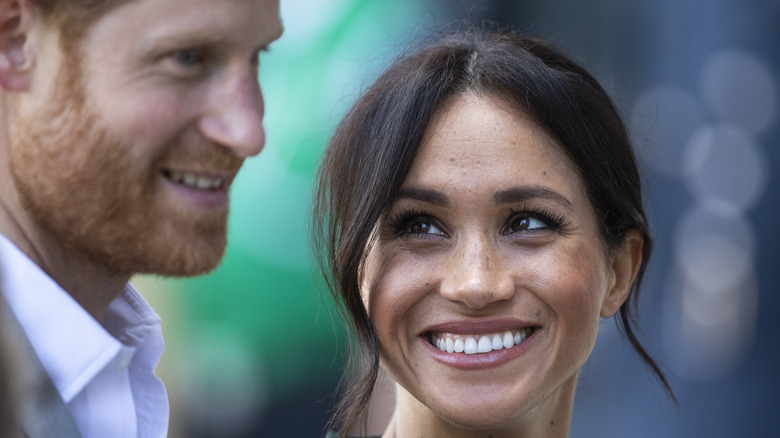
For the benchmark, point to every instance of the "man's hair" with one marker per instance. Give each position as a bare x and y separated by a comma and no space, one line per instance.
74,17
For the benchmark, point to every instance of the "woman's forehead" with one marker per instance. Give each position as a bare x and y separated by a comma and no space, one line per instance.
477,133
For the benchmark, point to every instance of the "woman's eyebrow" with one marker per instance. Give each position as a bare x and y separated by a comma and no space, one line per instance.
424,195
516,195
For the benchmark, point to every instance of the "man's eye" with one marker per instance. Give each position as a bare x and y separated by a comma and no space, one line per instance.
188,57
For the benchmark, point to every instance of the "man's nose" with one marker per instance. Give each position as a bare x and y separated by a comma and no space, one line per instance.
233,117
476,276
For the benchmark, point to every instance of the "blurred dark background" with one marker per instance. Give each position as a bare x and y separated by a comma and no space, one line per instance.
252,349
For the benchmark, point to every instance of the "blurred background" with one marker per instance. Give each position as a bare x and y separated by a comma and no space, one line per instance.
252,349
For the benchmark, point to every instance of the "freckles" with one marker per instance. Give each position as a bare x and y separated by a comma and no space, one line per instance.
578,298
573,289
393,288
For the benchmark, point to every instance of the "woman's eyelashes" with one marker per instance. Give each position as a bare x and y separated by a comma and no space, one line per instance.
529,220
418,224
411,223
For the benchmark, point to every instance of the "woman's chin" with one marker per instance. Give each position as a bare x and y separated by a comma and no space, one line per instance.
479,419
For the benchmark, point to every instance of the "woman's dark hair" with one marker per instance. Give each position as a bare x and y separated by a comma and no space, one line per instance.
369,156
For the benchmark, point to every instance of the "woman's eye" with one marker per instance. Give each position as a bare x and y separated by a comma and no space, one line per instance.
407,224
421,227
524,223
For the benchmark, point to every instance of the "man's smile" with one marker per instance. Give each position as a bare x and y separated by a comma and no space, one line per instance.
196,180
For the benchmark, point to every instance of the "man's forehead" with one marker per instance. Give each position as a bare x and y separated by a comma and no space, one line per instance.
74,10
199,21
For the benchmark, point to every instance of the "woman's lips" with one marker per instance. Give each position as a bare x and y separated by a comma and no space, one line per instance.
472,345
477,344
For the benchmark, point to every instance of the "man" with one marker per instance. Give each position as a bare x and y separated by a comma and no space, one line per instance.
8,415
124,123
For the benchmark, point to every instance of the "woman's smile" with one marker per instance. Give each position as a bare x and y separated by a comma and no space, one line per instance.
470,352
478,344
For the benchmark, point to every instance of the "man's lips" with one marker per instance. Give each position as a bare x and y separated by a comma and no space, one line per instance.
205,181
200,189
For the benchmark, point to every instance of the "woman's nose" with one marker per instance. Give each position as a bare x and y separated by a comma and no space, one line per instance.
476,276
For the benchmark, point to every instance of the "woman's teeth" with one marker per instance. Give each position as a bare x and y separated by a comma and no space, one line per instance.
473,344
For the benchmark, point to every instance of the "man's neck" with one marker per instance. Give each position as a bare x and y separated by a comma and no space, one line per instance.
90,284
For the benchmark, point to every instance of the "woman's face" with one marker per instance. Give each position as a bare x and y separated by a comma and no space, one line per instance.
489,275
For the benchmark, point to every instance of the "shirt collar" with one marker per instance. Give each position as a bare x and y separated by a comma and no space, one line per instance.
72,346
133,322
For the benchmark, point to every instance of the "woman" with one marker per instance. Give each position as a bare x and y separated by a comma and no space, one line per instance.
478,211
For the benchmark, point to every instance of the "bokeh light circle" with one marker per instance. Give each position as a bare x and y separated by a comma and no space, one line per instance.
738,89
714,246
724,164
712,300
663,120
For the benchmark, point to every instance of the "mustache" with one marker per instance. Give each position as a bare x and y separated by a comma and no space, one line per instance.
202,157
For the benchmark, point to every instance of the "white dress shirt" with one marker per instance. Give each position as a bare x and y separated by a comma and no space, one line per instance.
103,371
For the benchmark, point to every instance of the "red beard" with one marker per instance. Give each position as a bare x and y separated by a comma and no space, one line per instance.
94,192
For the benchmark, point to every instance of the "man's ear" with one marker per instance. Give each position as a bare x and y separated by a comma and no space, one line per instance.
16,54
624,264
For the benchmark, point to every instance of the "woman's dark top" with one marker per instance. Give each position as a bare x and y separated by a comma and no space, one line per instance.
333,434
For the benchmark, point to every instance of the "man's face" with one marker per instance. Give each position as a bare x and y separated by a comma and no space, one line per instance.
128,153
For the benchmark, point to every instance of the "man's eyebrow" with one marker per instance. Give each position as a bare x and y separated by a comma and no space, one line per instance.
279,33
517,195
189,39
271,36
425,195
